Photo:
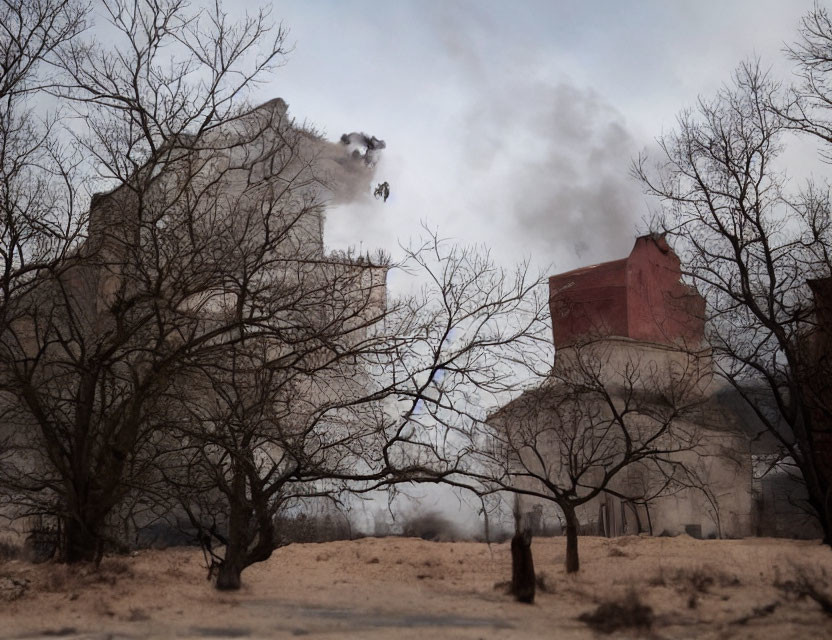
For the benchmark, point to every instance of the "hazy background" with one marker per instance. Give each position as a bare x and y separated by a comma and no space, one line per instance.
513,124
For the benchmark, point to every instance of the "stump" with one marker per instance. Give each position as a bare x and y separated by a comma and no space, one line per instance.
522,567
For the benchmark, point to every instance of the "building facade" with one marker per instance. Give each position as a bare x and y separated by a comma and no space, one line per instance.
631,355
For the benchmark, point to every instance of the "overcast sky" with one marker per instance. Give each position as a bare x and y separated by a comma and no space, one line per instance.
513,123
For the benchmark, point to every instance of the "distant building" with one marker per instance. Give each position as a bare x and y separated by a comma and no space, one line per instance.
640,297
637,313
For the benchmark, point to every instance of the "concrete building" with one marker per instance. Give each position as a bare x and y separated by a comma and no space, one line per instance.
246,200
637,330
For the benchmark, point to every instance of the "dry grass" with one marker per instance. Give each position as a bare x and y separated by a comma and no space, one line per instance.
376,588
61,578
176,567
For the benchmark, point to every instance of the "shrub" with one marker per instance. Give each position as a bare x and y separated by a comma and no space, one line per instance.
41,544
627,612
544,583
696,579
429,526
58,579
116,566
313,528
9,551
808,583
12,588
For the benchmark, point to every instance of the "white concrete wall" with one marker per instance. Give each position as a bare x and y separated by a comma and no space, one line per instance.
712,497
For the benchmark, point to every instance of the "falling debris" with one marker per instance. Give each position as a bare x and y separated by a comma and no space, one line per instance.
370,142
364,146
382,190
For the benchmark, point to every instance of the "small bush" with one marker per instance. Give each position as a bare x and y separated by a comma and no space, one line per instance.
41,544
429,526
543,582
12,588
137,615
613,615
696,580
503,585
757,612
61,578
116,567
9,551
313,528
57,579
808,583
699,580
615,552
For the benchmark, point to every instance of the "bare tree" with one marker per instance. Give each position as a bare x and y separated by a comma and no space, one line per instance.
807,103
42,216
199,344
274,418
96,342
355,393
40,195
751,246
609,420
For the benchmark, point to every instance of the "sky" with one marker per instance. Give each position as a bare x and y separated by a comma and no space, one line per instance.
512,124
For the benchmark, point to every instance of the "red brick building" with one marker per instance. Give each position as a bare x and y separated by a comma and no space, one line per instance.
640,297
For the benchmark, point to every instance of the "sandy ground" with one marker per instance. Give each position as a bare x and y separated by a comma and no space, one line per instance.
397,588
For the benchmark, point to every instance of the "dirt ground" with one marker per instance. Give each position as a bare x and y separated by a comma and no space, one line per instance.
398,588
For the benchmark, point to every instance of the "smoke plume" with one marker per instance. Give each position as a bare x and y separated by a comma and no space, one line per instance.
341,173
363,146
543,160
346,169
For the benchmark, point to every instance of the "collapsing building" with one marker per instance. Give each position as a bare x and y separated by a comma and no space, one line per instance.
632,370
214,232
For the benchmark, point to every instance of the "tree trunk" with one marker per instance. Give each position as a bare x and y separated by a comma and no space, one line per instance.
822,504
236,549
230,572
79,543
820,494
572,562
522,567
